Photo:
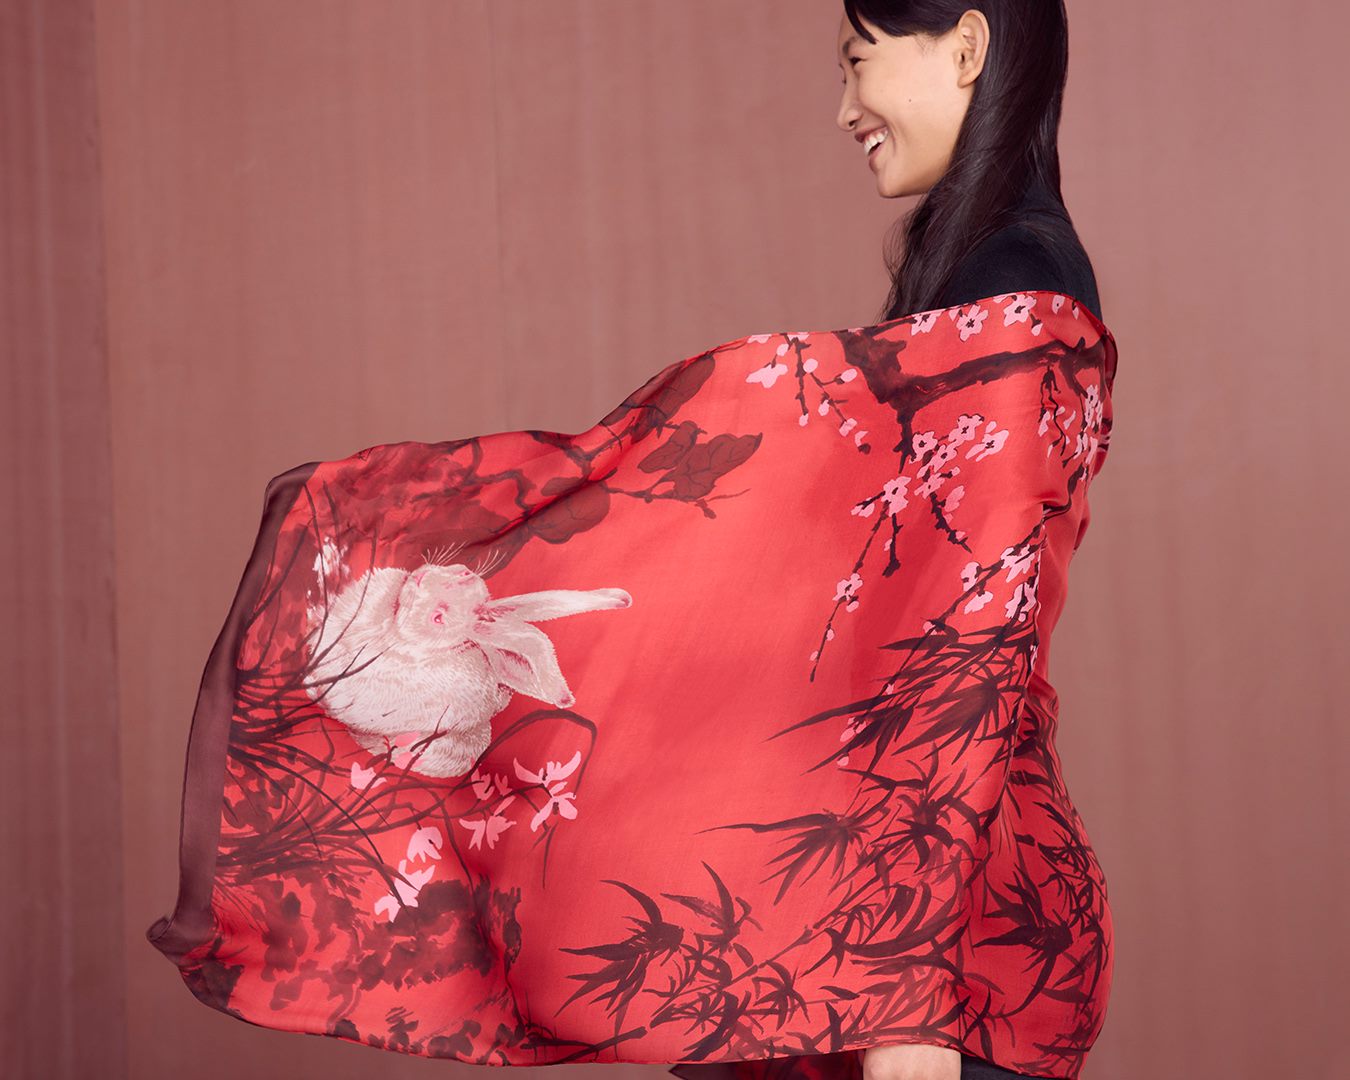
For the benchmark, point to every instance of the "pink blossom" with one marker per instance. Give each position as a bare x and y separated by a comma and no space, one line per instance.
930,485
489,827
553,778
361,778
924,322
483,785
969,574
1019,310
425,843
768,374
406,885
559,801
991,443
848,587
964,430
923,442
1023,602
1019,560
971,321
893,494
944,454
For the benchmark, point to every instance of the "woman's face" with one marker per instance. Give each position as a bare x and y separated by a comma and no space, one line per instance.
917,89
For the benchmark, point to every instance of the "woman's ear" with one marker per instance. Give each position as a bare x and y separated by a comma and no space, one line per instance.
970,46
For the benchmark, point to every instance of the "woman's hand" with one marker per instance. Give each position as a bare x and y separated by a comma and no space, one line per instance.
911,1061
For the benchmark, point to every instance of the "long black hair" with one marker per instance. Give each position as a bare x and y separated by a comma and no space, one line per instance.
1008,141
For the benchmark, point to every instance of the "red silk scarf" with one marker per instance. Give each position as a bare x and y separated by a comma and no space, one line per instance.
716,735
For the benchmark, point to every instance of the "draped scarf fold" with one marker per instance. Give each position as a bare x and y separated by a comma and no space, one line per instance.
719,734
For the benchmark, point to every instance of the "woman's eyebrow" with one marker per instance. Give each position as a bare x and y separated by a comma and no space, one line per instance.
852,39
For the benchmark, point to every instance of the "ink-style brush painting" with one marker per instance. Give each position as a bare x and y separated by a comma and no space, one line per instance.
720,734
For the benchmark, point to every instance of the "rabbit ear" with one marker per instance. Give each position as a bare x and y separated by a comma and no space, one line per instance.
554,603
522,658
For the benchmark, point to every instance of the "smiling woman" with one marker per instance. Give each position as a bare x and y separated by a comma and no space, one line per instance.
966,99
719,734
959,102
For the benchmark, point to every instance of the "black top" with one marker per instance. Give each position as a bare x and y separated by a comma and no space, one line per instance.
1017,259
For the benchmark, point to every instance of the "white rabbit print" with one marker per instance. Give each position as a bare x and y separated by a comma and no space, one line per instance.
425,658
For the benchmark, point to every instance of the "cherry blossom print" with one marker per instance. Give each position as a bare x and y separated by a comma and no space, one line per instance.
924,322
970,580
408,882
990,442
811,387
1023,602
491,825
1019,309
535,748
971,320
894,496
425,843
487,786
1018,560
1092,406
847,591
363,778
553,778
767,375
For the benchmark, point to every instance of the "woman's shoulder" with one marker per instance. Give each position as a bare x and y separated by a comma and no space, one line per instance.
1016,258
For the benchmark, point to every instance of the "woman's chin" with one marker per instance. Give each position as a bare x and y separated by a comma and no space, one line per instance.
887,187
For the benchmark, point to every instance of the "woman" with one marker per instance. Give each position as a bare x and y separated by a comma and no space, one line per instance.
772,787
961,104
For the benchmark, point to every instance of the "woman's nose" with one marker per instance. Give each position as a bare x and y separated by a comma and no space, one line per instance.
848,113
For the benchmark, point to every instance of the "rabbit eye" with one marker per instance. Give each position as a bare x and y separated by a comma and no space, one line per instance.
438,617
